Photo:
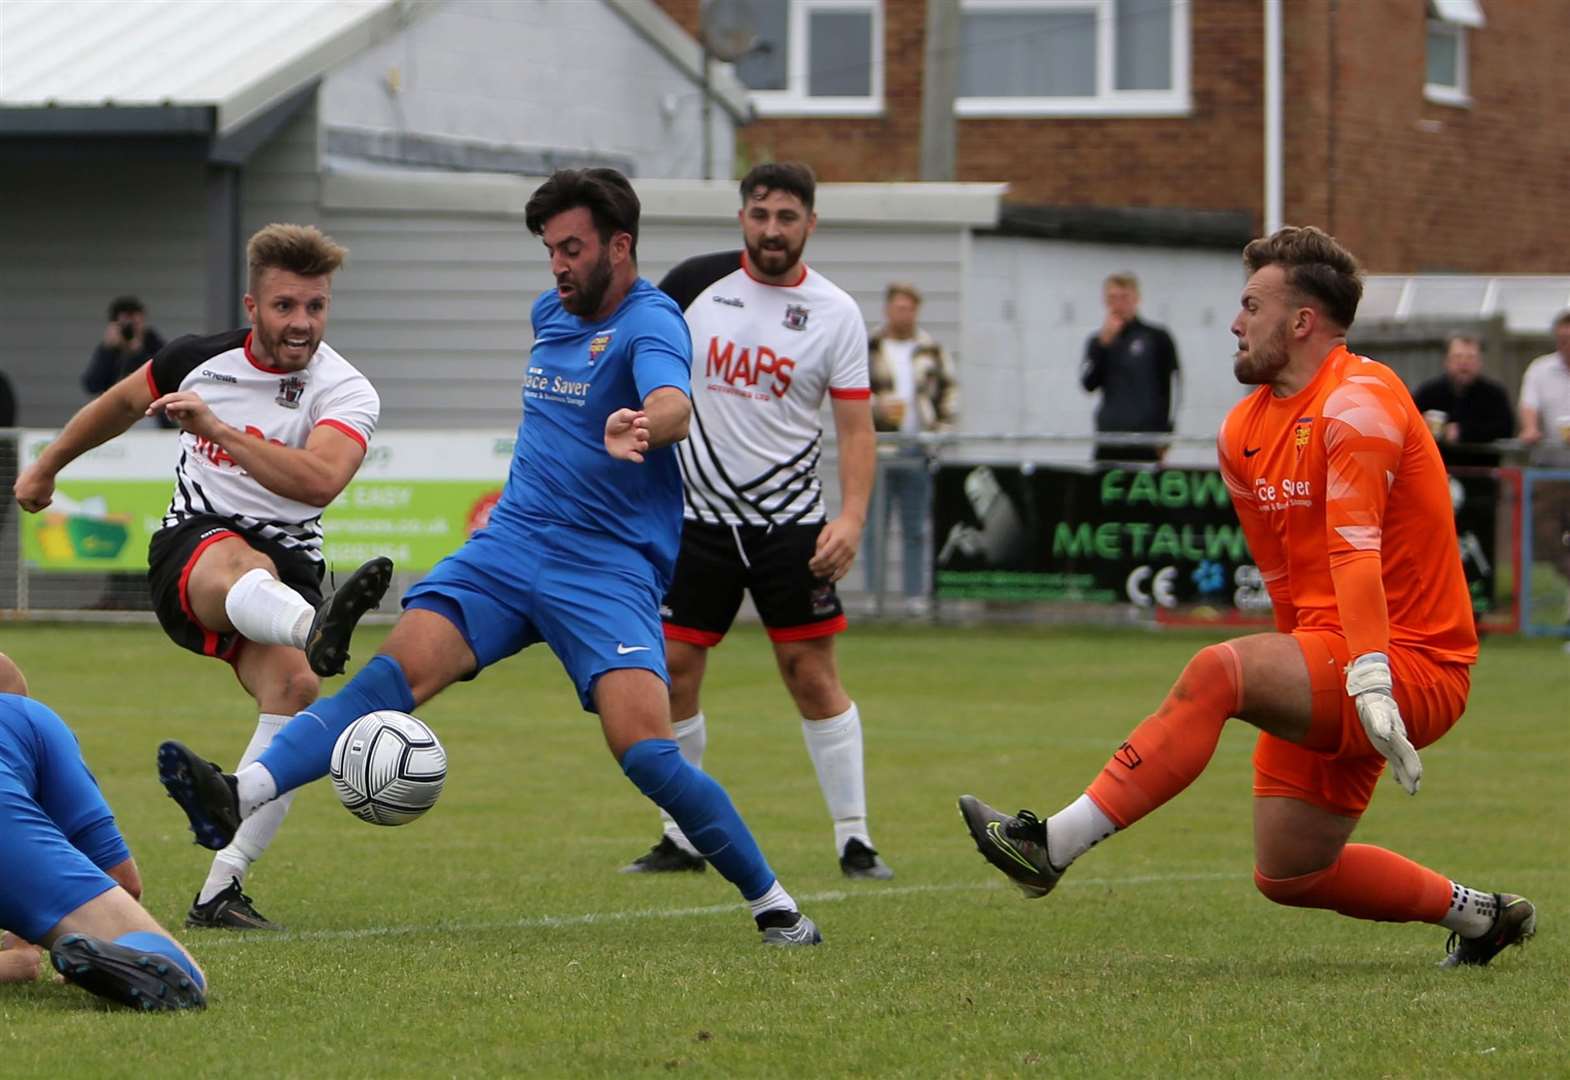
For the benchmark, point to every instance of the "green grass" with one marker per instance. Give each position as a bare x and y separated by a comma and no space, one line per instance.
495,938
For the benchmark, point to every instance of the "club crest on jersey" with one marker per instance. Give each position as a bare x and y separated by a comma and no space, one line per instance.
795,317
597,346
1305,428
290,391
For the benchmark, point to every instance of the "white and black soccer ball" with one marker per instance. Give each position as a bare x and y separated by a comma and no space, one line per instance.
388,768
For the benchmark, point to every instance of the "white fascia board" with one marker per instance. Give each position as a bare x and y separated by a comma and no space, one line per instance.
939,205
666,35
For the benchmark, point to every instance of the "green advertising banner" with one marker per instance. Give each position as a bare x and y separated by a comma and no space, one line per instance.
95,525
416,497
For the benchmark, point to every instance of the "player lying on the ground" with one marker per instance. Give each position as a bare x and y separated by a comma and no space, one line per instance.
67,879
577,554
275,424
1346,508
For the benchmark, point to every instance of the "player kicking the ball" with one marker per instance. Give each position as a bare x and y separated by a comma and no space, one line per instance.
772,338
1346,508
274,425
576,554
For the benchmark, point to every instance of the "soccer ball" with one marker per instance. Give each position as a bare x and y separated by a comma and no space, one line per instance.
388,768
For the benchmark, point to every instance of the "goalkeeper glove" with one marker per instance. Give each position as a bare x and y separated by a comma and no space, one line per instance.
1368,683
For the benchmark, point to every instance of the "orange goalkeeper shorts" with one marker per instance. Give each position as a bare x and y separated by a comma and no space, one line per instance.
1340,776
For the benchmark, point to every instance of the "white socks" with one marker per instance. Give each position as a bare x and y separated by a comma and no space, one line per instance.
258,830
1076,829
691,736
776,899
257,788
1471,913
265,610
835,748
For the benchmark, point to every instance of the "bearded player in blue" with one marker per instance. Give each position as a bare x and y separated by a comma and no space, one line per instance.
577,554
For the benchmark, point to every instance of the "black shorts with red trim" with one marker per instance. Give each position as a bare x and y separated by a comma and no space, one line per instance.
172,553
718,563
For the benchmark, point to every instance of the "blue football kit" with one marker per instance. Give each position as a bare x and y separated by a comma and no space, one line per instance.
578,554
581,547
57,834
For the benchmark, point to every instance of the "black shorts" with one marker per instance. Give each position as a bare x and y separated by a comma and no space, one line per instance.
719,562
172,553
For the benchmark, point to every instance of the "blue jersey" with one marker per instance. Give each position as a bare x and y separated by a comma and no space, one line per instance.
579,373
57,835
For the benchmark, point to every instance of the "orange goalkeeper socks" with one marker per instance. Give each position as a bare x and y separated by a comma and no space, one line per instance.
1172,747
1366,882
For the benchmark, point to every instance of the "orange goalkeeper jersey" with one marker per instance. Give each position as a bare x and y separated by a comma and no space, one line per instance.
1346,507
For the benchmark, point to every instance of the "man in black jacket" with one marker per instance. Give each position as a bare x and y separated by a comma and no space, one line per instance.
1465,408
128,342
1134,364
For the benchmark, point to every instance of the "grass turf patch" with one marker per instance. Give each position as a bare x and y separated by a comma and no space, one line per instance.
495,937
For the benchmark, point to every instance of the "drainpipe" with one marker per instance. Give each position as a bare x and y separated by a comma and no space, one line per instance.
1273,116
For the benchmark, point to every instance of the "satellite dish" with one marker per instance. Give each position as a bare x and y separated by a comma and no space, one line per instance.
727,28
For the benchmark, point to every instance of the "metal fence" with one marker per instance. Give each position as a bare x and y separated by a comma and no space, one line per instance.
1531,542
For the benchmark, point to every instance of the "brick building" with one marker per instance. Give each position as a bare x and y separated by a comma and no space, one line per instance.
1429,135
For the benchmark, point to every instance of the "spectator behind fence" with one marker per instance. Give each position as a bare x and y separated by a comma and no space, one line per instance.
1465,408
128,342
913,391
1134,364
1545,428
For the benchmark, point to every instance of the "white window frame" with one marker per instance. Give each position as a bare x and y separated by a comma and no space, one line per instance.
1107,100
795,99
1452,18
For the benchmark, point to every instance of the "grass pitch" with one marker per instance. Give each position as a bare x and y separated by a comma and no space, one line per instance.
494,937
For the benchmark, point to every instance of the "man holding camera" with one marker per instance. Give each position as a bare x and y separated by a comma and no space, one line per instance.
128,342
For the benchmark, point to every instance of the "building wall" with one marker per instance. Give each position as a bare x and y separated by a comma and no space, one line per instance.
482,70
1416,186
1196,162
1410,185
1032,304
282,181
73,236
434,304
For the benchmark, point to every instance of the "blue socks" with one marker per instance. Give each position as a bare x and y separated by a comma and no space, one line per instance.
703,810
302,751
148,942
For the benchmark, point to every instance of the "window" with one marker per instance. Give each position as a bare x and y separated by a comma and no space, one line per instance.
1073,58
1446,79
823,58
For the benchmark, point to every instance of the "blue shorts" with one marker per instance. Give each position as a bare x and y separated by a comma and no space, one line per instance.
57,834
593,600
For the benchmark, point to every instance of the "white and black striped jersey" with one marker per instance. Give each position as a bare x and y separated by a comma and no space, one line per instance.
283,407
763,357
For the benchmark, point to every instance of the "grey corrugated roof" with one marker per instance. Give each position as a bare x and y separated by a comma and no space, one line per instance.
238,56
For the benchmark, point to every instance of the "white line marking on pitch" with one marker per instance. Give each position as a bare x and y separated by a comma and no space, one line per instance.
550,922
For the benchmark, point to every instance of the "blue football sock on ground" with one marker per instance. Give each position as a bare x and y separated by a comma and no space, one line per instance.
703,810
302,751
148,942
